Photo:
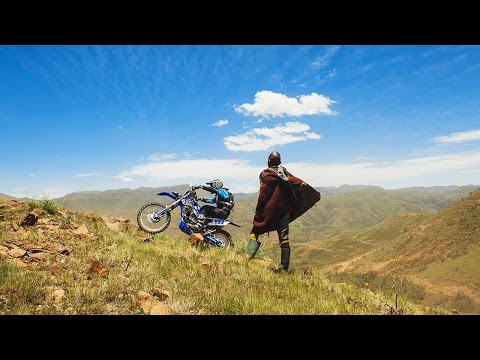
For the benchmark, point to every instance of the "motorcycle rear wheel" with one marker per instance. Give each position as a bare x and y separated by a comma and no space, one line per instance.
224,237
148,222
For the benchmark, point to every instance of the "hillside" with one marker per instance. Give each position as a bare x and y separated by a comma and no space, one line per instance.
343,210
5,196
73,263
439,251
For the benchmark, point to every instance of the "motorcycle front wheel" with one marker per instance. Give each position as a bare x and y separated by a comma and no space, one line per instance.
149,220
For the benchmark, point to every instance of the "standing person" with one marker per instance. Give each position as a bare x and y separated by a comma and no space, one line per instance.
282,198
222,198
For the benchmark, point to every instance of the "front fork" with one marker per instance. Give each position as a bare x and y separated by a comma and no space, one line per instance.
157,216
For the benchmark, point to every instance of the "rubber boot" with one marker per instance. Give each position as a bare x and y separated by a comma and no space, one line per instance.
252,248
285,257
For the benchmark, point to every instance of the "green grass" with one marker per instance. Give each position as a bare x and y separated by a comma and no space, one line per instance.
211,281
46,204
20,292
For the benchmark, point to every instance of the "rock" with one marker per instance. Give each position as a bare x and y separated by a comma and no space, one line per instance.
57,294
206,263
10,245
160,294
17,252
15,226
39,255
70,311
33,247
18,263
113,226
2,217
3,248
30,220
86,237
56,269
150,305
3,253
97,269
59,248
82,229
195,238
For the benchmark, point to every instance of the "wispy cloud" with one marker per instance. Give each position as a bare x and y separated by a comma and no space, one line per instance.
86,175
162,157
260,139
459,137
270,104
383,173
324,59
220,123
241,176
363,157
237,174
32,175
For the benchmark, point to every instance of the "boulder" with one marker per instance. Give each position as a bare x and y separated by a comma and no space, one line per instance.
30,220
150,305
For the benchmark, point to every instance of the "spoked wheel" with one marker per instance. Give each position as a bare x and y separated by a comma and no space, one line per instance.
149,219
223,237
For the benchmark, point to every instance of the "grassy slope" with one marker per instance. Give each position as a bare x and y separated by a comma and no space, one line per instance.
440,251
341,211
212,281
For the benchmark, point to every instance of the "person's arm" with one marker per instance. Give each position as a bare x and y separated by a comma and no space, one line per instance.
294,181
211,200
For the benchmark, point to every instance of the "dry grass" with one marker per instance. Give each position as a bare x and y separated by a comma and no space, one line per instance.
211,281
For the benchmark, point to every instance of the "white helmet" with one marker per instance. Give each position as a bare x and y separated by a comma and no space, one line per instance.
216,184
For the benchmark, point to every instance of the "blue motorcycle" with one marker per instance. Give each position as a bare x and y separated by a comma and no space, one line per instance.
155,217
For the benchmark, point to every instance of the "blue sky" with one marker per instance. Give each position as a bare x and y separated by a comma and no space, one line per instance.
76,118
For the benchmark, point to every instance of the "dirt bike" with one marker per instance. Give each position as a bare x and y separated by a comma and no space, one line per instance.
155,217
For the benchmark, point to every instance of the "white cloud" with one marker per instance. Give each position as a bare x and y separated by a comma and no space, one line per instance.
162,157
459,137
220,123
363,157
236,174
86,175
32,175
325,58
260,139
242,176
268,103
421,171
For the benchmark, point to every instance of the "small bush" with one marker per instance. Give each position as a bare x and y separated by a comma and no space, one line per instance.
46,204
49,206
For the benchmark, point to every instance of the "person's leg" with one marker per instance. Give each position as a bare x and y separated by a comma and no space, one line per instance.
207,210
253,244
220,213
284,242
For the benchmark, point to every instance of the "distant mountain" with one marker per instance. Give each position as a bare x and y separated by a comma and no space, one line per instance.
345,189
342,210
2,195
122,202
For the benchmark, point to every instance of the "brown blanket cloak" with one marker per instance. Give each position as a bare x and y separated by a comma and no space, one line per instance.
278,197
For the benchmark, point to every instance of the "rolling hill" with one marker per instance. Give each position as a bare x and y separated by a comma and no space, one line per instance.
343,210
75,263
438,251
